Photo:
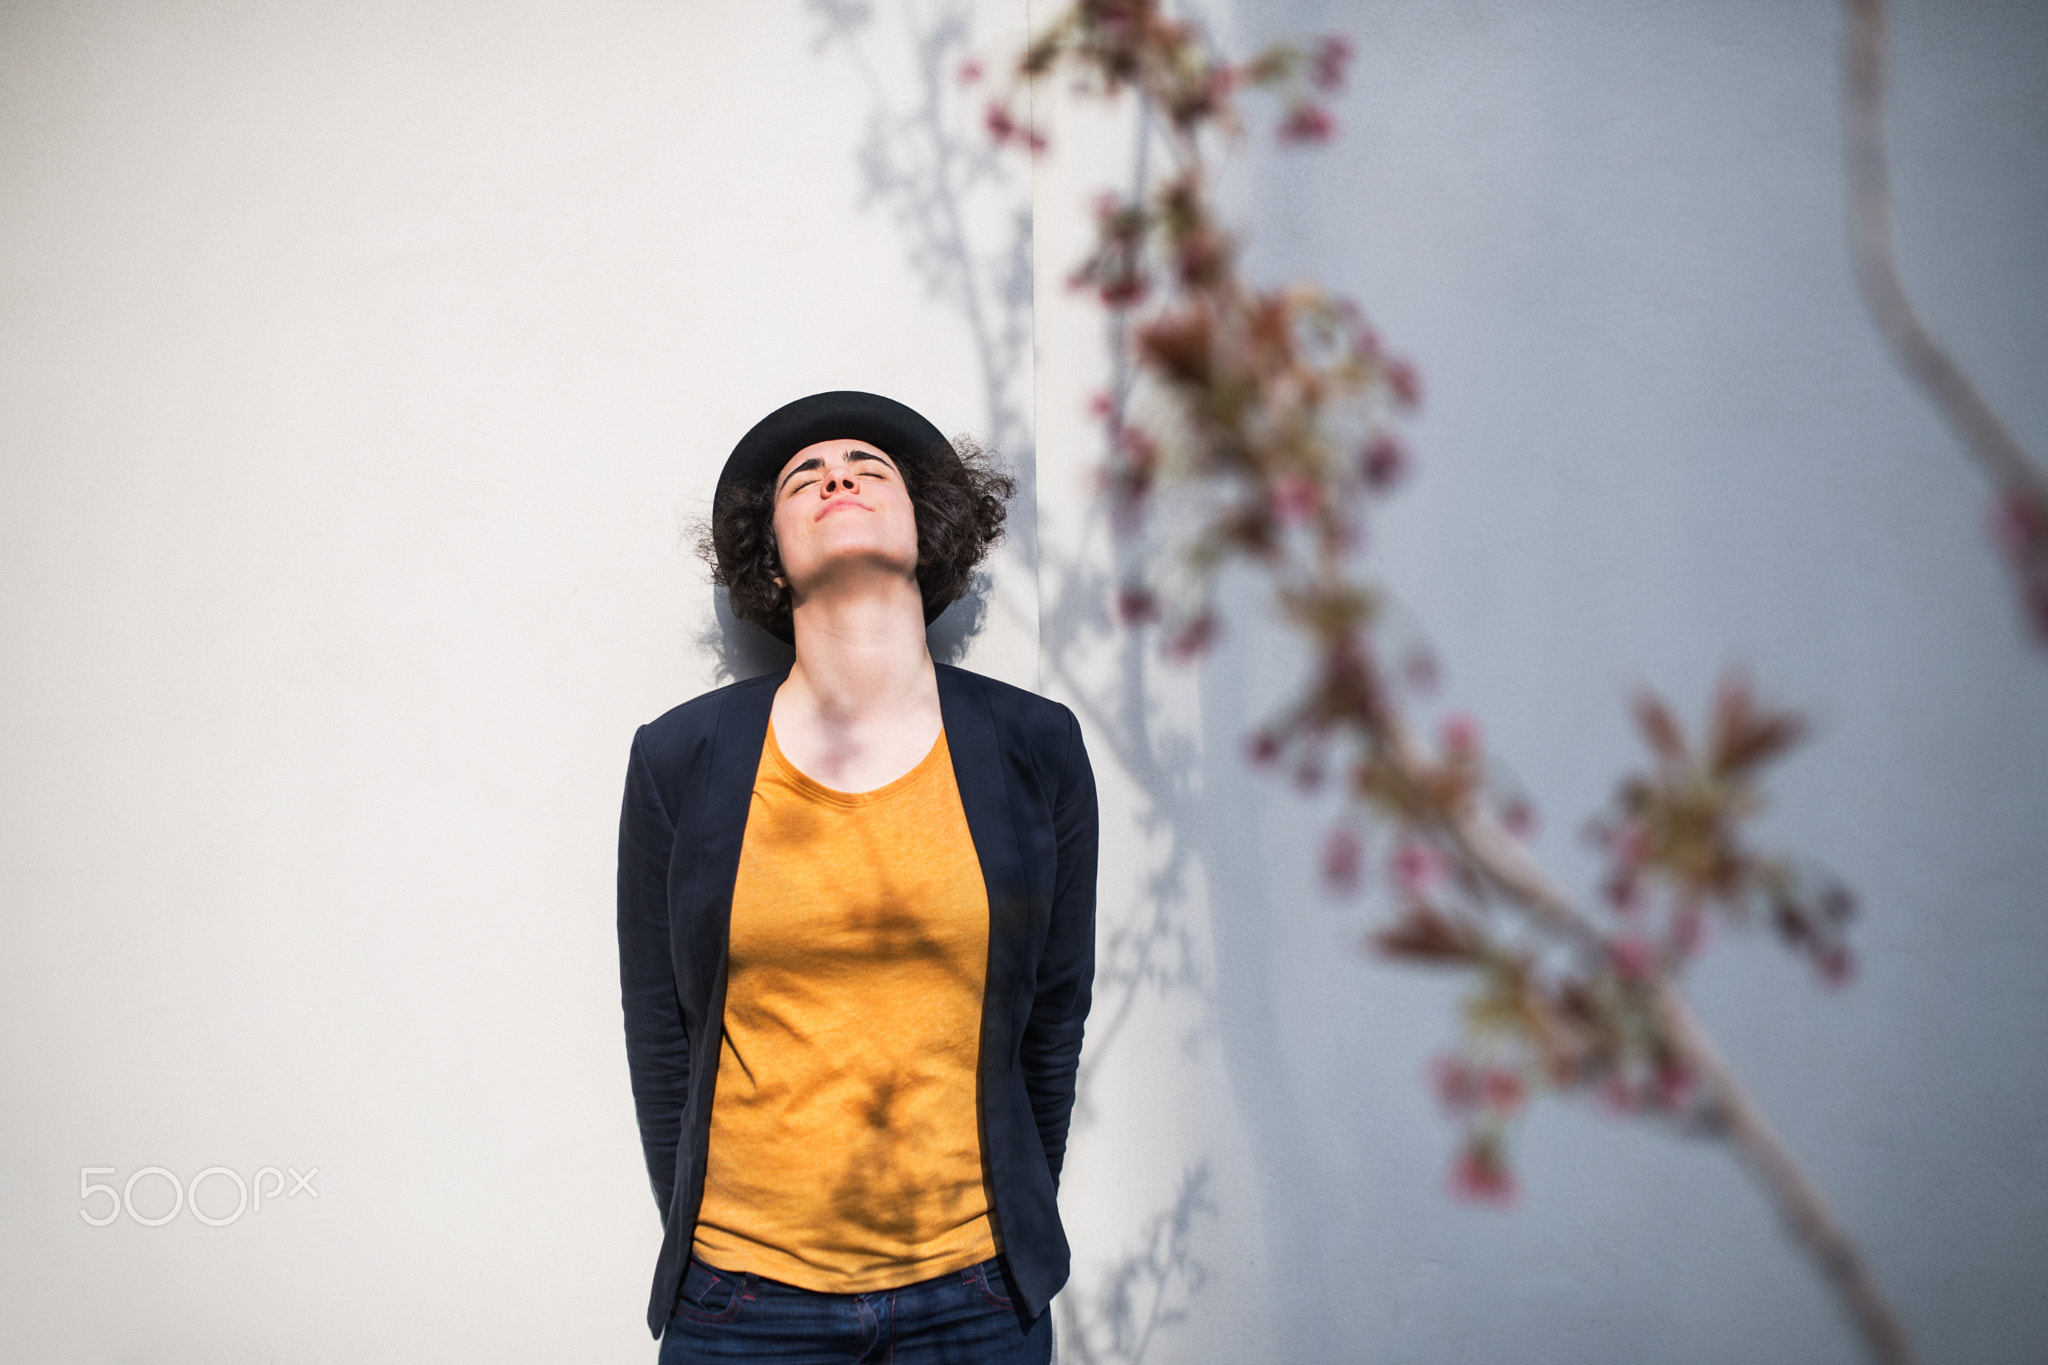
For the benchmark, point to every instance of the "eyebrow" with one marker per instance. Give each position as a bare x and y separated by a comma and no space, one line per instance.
818,462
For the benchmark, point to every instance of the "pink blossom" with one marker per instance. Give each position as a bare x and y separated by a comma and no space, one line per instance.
1673,1087
1404,383
1342,853
1326,68
1635,959
970,71
1837,967
2019,525
1138,449
1383,463
1192,639
1295,498
1481,1177
1199,256
1457,1083
1504,1090
1100,406
1307,122
1135,606
1628,844
1122,289
1418,866
1461,734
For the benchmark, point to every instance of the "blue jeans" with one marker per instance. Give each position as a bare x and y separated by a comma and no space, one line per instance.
964,1318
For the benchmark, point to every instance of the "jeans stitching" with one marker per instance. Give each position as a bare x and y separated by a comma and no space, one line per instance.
864,1311
980,1282
740,1294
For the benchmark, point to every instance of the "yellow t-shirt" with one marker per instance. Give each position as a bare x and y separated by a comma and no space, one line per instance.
845,1150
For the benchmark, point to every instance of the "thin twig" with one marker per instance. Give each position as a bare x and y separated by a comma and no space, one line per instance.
1985,437
1800,1204
1506,863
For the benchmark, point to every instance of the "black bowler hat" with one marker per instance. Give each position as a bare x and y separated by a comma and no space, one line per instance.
899,432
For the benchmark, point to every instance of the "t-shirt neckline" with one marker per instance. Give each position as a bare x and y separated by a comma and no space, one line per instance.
810,786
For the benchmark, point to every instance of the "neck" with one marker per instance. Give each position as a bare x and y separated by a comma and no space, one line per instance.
861,657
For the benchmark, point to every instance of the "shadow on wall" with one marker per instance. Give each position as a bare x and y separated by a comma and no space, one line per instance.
928,161
1144,1291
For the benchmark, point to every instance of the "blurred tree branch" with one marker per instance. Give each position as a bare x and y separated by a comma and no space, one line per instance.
2020,521
1259,428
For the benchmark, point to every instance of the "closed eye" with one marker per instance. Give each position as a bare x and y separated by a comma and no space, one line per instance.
881,466
810,466
874,467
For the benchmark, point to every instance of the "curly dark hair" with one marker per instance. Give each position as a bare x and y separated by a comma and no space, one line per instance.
959,504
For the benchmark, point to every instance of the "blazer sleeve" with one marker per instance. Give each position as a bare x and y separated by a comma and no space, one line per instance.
657,1047
1051,1047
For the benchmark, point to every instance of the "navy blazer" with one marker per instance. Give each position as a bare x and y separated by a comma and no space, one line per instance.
1029,798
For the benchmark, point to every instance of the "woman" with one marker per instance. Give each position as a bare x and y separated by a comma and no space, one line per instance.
856,930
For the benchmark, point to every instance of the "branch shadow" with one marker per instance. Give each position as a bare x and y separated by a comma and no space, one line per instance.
925,160
1145,1291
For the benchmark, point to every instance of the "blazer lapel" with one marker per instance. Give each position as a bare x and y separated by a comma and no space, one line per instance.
721,827
978,767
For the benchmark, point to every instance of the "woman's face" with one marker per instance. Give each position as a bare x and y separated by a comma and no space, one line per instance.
841,510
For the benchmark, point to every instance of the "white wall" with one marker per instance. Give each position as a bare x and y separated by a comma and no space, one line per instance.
362,365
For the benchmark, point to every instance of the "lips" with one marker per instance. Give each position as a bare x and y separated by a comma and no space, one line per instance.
838,504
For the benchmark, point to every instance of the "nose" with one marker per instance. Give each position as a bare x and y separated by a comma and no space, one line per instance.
837,480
